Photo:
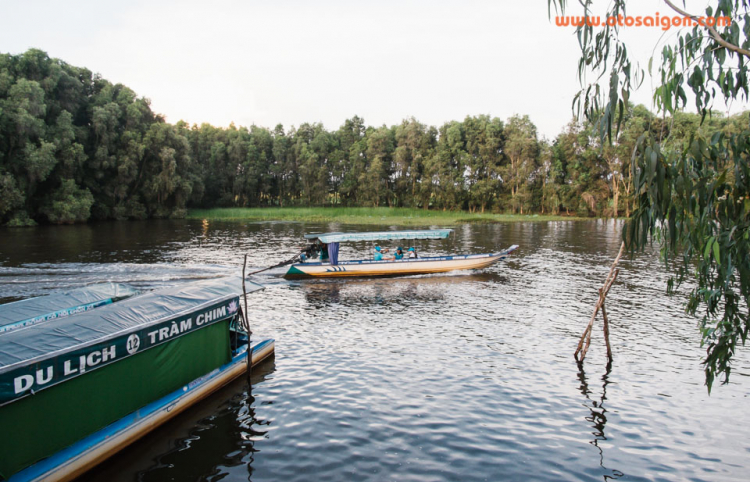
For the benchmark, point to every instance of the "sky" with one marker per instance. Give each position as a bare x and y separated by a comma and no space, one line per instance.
292,61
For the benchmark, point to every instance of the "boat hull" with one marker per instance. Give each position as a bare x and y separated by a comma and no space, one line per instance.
365,268
80,457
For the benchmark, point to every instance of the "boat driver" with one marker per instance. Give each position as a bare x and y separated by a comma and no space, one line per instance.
308,252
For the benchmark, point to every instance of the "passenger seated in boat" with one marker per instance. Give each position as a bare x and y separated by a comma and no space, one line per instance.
323,252
412,253
378,254
399,254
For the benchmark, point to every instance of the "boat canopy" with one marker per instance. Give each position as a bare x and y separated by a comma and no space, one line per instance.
381,235
45,354
44,308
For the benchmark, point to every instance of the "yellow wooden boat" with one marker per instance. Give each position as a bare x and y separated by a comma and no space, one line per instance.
329,242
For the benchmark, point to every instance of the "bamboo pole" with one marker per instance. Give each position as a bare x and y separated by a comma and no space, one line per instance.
247,324
585,341
606,333
583,347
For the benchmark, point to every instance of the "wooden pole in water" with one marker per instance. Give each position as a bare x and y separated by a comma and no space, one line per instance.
606,333
247,323
583,347
585,341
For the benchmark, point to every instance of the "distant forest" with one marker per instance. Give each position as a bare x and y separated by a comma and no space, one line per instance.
74,147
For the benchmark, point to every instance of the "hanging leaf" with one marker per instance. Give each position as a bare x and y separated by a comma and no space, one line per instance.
717,256
707,252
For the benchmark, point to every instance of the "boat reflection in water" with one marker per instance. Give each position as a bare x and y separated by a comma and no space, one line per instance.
407,290
223,427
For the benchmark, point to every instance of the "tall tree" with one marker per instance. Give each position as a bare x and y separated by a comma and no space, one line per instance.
375,181
522,149
353,159
485,143
415,143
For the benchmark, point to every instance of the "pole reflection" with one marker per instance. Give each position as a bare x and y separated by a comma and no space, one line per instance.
598,416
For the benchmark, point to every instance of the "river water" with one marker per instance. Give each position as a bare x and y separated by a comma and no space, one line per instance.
467,376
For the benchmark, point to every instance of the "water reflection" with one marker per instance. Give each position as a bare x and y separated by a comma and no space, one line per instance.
184,448
399,290
465,376
598,415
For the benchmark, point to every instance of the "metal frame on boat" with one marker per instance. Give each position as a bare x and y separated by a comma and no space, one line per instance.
406,266
75,390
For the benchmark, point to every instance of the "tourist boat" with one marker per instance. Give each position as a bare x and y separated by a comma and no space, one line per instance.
406,266
80,382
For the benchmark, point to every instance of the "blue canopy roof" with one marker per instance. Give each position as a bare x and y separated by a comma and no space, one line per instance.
381,235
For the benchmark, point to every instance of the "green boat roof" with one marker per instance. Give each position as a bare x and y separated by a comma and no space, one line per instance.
381,235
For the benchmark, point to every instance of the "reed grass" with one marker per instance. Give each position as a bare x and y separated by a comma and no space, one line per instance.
381,215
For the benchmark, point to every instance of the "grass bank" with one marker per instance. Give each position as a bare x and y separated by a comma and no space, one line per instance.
398,216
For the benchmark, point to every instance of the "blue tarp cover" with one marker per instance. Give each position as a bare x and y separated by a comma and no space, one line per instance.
37,342
29,312
381,235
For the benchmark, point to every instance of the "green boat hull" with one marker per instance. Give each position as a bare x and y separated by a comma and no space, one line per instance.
40,425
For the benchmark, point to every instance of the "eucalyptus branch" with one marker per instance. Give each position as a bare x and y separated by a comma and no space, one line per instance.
714,32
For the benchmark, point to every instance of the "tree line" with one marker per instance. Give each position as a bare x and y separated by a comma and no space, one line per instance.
74,146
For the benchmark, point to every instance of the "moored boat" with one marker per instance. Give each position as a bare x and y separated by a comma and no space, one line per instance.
394,267
77,389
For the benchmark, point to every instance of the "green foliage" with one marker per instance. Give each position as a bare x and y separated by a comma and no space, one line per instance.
690,175
68,137
68,204
696,202
21,220
11,196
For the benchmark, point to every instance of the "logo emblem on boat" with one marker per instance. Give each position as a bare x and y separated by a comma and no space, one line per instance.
232,306
133,343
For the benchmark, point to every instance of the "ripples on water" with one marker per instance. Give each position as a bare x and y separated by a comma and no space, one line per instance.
465,376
